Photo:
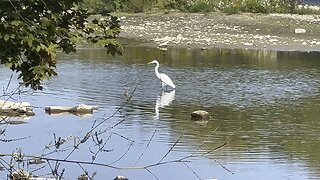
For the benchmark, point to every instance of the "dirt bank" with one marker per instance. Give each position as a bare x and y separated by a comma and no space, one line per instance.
218,30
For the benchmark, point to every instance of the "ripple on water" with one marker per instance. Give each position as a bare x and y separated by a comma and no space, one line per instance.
245,88
269,133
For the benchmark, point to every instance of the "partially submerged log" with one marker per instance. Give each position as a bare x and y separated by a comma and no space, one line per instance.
16,108
80,109
200,115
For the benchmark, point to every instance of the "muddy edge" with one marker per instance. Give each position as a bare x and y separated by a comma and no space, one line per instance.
218,30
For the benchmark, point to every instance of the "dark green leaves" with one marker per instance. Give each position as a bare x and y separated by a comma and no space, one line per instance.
31,31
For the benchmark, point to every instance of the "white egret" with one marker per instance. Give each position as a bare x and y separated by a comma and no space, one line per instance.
165,80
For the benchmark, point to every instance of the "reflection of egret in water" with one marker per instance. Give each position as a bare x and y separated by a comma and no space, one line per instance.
163,100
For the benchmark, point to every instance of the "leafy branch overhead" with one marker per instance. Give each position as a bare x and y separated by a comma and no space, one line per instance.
31,32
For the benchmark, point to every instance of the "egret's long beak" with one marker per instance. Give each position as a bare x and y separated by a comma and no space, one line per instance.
149,62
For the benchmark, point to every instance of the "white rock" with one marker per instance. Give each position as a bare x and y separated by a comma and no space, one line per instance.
247,44
300,31
164,44
313,42
273,40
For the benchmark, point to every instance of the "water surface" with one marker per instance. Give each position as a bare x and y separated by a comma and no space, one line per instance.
264,103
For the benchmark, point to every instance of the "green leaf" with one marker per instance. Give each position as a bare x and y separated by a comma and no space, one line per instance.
6,37
8,64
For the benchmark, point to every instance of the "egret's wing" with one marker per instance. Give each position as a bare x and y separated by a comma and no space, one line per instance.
166,80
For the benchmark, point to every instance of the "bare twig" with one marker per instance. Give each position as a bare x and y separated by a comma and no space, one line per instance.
221,165
130,145
149,141
192,170
17,139
147,169
170,149
8,84
207,138
99,137
96,125
16,10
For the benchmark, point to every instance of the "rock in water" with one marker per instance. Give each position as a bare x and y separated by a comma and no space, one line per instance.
120,178
200,115
16,108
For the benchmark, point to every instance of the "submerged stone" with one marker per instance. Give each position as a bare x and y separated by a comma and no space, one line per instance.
200,115
120,178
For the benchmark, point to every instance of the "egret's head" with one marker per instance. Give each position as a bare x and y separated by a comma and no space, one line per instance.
153,62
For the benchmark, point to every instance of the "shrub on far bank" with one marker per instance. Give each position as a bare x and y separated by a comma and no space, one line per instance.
256,6
203,6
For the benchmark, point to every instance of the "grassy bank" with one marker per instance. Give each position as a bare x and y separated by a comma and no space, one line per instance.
203,6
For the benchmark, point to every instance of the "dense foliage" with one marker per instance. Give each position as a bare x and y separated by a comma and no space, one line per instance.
31,32
228,6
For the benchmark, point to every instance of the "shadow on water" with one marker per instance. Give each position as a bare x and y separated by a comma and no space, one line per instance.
266,101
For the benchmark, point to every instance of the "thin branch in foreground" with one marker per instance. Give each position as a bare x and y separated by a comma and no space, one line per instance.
170,149
129,147
221,165
192,170
205,141
8,84
116,112
100,145
96,125
17,139
147,169
86,174
149,141
221,145
37,169
4,164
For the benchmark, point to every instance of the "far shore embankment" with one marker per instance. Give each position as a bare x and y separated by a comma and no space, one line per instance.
284,32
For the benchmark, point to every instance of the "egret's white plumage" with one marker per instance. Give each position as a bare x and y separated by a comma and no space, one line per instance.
166,81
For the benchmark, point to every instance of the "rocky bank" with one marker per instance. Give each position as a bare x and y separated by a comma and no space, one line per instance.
219,30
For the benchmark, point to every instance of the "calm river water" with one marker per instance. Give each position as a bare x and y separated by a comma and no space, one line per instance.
264,104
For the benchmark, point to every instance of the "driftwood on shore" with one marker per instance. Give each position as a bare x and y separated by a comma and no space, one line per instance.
10,108
79,109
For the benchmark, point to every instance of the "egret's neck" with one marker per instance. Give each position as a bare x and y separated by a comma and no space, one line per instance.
156,70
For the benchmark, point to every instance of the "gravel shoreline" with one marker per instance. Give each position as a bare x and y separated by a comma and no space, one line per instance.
218,30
